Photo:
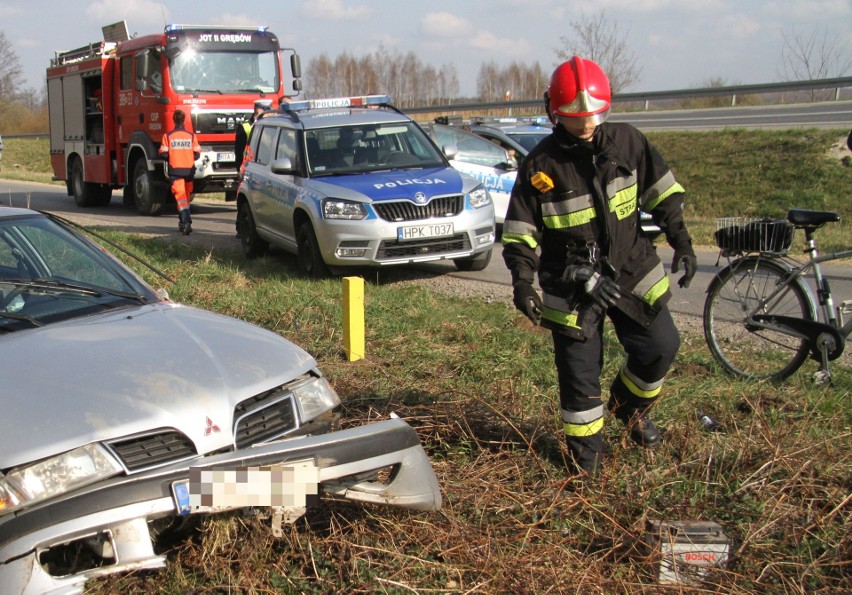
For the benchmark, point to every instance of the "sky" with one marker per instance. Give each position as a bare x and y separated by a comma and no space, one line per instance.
679,44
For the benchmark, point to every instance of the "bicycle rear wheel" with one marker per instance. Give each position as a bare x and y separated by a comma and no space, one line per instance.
745,350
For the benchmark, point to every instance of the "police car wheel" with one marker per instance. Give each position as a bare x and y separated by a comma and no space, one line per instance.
309,257
473,263
253,245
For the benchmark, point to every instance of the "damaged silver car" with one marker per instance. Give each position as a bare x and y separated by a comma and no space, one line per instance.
124,412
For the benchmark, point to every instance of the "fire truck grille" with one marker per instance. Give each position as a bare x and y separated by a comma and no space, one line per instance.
217,122
405,210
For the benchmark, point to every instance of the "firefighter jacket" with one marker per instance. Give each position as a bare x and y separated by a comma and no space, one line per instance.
578,202
181,149
241,141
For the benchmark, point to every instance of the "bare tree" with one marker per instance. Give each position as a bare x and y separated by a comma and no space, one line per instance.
519,80
814,55
407,80
10,69
599,40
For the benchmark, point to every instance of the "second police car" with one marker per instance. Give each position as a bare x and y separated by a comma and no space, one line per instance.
354,181
470,154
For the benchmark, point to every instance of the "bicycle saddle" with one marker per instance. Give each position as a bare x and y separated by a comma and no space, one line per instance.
806,218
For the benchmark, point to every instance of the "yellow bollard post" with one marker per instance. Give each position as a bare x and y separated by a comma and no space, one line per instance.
353,318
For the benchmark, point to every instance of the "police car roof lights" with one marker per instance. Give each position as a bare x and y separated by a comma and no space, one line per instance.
333,102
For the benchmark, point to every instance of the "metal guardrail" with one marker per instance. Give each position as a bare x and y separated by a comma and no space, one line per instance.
645,97
30,135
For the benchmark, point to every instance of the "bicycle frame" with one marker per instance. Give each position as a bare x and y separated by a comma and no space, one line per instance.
826,337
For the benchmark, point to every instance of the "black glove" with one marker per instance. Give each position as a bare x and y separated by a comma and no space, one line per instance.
528,301
600,288
685,255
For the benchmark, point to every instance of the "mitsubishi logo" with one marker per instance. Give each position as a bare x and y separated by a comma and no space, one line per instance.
211,427
420,198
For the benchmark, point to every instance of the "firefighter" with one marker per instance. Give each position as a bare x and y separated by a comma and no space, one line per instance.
573,218
181,149
244,129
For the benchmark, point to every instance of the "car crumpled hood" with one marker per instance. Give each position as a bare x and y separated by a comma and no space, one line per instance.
393,185
129,371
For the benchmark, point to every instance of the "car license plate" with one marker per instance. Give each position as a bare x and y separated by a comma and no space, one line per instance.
417,232
211,490
226,157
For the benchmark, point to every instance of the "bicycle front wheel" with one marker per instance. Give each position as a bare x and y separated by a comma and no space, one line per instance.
743,289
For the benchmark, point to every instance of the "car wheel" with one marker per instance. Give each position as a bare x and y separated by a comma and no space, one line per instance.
87,194
309,257
473,263
253,244
148,193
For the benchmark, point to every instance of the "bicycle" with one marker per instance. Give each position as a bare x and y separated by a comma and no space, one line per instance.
761,318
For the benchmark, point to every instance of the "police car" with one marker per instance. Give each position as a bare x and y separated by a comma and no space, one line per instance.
518,134
354,181
477,157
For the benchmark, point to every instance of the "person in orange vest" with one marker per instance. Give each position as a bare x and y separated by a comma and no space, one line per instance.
181,149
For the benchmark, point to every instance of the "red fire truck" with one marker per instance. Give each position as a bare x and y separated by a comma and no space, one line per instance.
111,101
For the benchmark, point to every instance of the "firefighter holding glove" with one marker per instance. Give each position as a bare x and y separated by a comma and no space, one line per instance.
574,219
180,148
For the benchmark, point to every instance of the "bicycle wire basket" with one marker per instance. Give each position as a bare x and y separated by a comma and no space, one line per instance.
737,235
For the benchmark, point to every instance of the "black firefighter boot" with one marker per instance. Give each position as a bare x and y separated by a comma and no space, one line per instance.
585,454
642,430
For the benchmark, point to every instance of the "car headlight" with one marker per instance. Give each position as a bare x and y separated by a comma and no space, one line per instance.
76,468
333,208
315,397
479,197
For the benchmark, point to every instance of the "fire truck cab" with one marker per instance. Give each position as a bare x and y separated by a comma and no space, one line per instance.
110,102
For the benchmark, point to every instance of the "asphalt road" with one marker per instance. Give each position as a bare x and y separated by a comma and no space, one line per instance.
213,229
827,114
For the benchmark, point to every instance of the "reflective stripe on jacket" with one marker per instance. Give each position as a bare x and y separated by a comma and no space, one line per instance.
180,147
580,202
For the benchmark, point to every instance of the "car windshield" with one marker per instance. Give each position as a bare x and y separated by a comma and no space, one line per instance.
471,148
528,140
372,147
49,273
224,72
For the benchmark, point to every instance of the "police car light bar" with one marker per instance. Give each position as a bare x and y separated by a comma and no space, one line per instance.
362,101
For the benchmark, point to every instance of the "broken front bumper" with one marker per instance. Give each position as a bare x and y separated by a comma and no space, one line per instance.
117,512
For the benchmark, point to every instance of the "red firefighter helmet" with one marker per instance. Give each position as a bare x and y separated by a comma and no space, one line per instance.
578,88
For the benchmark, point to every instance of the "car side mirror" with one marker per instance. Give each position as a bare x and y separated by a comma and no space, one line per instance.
450,151
509,165
283,166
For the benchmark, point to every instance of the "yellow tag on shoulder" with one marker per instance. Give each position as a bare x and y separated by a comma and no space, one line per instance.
542,182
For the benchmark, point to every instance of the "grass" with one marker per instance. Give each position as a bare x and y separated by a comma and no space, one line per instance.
478,384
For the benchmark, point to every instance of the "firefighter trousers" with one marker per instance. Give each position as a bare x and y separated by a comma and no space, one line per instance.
650,353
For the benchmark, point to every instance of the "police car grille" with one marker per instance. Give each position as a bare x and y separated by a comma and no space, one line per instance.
138,453
442,206
389,250
264,417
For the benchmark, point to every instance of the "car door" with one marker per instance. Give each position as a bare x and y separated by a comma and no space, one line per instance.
286,187
260,181
483,160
